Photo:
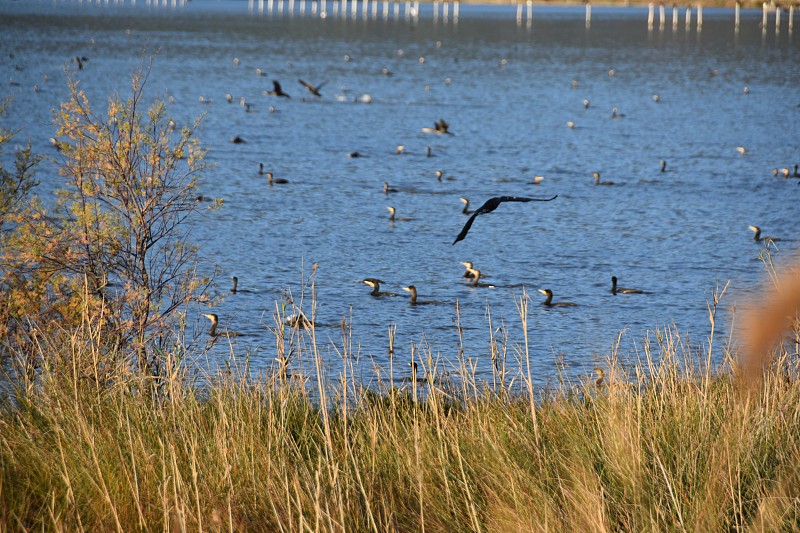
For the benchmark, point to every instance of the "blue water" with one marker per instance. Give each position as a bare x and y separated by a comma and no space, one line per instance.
507,94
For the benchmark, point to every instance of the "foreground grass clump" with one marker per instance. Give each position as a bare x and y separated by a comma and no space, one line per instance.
662,447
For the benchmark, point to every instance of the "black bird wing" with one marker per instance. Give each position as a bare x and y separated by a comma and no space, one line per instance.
276,87
466,227
491,204
321,85
307,85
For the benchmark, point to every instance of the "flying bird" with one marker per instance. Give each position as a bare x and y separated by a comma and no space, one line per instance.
276,90
490,205
313,90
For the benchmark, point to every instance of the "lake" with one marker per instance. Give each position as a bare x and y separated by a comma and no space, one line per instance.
507,92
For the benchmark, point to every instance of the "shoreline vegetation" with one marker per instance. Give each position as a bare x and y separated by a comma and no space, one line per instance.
107,424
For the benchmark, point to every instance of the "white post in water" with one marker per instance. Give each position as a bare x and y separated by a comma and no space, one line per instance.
688,18
650,16
455,12
777,20
675,18
270,6
699,17
737,16
408,10
519,14
435,10
343,9
374,9
445,11
280,7
662,17
396,10
529,13
791,17
302,7
353,8
588,17
764,17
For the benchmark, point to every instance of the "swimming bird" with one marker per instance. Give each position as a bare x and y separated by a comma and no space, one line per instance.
601,374
758,237
376,287
229,98
276,90
570,124
235,289
277,181
261,169
299,320
586,103
663,165
400,150
238,140
549,300
440,175
615,113
493,203
203,100
393,218
597,180
656,98
468,266
476,276
466,210
356,155
741,150
537,180
782,171
441,127
260,72
413,290
796,172
212,331
428,152
623,290
387,189
313,90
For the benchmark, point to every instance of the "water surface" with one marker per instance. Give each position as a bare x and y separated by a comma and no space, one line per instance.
507,94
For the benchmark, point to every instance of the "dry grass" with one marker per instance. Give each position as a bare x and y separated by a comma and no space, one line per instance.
670,443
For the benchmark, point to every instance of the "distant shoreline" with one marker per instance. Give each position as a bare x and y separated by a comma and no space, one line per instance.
628,3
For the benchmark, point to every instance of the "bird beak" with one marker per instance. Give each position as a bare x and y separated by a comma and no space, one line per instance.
542,291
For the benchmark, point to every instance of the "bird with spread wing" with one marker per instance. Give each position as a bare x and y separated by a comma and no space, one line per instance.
313,90
490,205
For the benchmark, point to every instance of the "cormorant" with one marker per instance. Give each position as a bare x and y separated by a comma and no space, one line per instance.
586,104
466,210
413,290
468,266
401,150
656,98
490,205
376,287
387,189
277,181
476,276
313,90
615,113
597,180
213,329
741,150
440,175
229,98
537,180
601,374
238,140
549,300
393,218
623,290
663,165
428,152
796,172
758,236
440,127
276,90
